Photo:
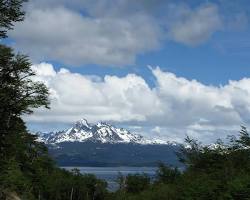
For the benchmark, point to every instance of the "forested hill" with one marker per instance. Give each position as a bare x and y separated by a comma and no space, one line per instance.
106,154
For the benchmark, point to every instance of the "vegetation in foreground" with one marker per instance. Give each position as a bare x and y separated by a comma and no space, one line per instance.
27,172
221,172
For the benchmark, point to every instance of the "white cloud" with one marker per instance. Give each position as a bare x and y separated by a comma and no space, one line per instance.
173,108
69,37
193,27
108,33
75,96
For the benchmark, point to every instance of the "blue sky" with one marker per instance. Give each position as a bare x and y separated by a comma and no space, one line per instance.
180,55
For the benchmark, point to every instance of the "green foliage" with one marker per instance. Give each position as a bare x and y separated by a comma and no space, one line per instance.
21,156
10,12
135,183
62,184
18,95
218,172
18,92
166,174
121,180
12,177
26,169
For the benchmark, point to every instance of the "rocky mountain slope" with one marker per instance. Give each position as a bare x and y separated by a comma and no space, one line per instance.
102,132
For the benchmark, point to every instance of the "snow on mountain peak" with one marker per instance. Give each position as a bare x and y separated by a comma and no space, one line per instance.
82,123
103,132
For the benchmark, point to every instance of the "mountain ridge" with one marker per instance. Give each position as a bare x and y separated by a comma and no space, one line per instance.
83,131
102,144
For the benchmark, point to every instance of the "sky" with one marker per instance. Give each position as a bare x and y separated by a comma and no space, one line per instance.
161,68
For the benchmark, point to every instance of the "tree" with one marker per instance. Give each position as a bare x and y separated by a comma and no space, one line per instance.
18,93
121,179
21,157
166,174
137,182
26,170
10,12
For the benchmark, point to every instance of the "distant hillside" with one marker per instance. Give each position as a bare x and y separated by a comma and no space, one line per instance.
105,154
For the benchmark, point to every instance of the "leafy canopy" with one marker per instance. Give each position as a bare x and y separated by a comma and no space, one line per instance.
10,12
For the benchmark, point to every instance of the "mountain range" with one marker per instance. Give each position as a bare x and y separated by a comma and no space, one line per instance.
102,144
83,131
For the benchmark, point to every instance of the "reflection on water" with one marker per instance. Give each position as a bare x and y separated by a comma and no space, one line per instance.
110,173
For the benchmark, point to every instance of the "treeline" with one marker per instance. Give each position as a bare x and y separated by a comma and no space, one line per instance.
218,172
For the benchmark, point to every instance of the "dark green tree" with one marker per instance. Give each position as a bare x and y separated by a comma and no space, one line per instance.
18,94
121,181
218,171
19,151
10,12
135,183
26,170
166,174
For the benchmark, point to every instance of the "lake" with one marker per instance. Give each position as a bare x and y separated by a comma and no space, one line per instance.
109,174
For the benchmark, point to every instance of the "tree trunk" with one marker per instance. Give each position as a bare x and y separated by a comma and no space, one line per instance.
71,195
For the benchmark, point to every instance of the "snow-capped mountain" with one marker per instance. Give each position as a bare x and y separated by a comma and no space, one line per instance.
102,132
101,144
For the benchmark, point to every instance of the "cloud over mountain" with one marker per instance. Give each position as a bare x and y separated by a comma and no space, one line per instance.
175,106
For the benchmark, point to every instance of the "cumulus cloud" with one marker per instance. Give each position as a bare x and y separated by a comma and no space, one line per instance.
109,33
75,95
193,27
174,107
